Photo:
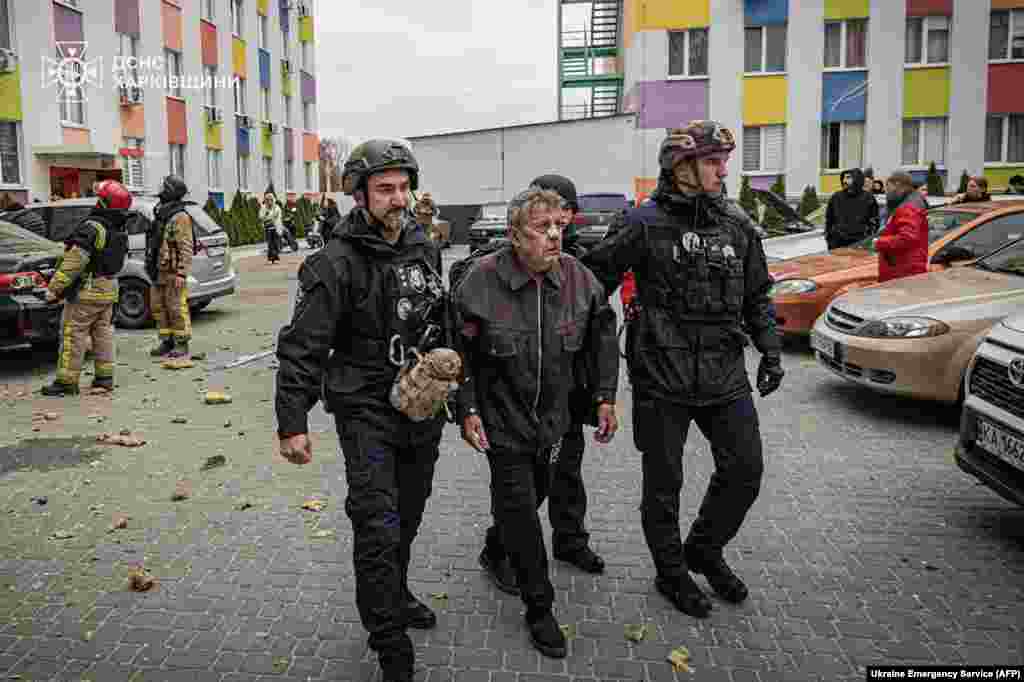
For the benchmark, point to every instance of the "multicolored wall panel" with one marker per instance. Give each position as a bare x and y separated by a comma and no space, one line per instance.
667,14
765,12
926,8
670,104
926,92
764,100
848,9
1006,88
844,96
10,95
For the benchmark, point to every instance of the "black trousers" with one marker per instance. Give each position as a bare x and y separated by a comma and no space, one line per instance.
273,244
659,432
567,500
520,480
390,475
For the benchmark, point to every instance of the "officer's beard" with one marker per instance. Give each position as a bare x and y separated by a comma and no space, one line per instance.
390,224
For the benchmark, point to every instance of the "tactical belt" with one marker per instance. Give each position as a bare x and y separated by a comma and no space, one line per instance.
673,303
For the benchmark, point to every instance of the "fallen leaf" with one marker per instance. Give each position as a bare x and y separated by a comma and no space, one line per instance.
217,398
243,505
636,633
313,505
182,491
140,580
62,535
214,462
323,534
179,420
569,630
680,659
440,599
281,664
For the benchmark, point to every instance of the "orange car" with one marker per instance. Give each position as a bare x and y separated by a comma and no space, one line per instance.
957,234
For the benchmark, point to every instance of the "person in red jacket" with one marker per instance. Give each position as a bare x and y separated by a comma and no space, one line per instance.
903,244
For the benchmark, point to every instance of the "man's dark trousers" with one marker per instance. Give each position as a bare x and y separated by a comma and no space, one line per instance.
520,480
660,430
390,473
567,501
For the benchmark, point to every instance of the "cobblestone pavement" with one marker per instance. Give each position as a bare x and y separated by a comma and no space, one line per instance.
867,544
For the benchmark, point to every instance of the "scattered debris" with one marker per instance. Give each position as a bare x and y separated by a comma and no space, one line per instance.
323,534
217,398
569,630
41,500
313,505
62,535
214,462
120,523
179,420
178,363
440,599
100,390
182,491
680,659
140,580
50,416
636,633
243,505
125,439
227,424
199,356
281,663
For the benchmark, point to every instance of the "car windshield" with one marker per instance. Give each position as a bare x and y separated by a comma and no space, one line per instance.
15,240
603,202
940,222
1009,260
205,224
494,211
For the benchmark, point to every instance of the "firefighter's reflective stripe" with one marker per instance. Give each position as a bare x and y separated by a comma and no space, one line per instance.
65,373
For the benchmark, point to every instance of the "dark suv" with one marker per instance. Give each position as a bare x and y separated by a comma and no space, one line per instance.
597,211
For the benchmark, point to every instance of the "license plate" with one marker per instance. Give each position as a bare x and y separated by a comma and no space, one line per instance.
216,251
825,346
1003,445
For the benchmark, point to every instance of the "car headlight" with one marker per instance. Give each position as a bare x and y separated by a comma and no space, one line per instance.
789,287
904,328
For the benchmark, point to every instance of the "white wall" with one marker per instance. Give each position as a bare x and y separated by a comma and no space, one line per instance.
969,84
157,160
725,66
597,154
804,60
886,48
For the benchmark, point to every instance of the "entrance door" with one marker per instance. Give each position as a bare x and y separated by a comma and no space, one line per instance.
64,182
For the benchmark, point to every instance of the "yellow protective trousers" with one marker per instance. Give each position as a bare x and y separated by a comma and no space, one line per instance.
170,310
81,322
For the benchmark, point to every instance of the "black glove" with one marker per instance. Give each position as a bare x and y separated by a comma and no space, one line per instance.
769,375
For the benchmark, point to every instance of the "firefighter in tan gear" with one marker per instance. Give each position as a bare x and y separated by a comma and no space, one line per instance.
93,255
169,254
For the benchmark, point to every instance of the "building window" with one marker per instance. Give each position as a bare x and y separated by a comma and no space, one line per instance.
129,48
310,176
265,104
172,65
210,92
287,110
178,160
72,100
307,57
264,37
688,52
286,39
1006,35
268,172
842,145
924,141
764,149
927,40
846,44
214,160
133,172
6,39
237,19
243,172
239,87
1004,139
10,153
289,175
307,115
207,7
764,49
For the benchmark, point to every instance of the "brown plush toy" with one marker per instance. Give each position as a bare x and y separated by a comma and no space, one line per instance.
420,392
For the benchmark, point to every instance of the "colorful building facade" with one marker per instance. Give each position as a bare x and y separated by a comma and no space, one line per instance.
812,87
222,92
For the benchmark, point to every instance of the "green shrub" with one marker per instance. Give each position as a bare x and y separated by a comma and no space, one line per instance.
748,202
934,182
809,202
773,220
964,179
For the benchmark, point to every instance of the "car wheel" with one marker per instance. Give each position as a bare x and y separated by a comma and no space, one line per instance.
200,306
132,310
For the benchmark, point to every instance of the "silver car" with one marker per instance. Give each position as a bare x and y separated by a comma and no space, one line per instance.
212,274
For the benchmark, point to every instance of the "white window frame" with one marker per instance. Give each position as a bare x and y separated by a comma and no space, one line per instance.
263,31
764,51
208,10
307,116
289,175
68,110
214,169
265,104
172,67
761,152
923,58
128,178
19,152
307,55
687,33
287,105
210,93
177,165
242,172
128,46
7,41
921,162
237,18
268,170
1004,152
310,177
843,37
843,137
239,87
1016,27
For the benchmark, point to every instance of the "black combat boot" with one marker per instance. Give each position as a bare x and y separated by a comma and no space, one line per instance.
180,350
723,581
106,383
583,558
397,660
163,348
500,572
59,390
417,614
684,595
545,634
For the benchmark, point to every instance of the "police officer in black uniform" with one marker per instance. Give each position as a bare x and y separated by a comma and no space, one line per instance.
367,300
701,275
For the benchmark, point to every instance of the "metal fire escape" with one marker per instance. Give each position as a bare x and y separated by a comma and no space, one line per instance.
585,56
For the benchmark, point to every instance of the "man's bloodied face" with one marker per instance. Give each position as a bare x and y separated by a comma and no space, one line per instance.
538,242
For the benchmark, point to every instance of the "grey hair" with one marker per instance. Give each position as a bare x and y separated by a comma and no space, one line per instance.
522,204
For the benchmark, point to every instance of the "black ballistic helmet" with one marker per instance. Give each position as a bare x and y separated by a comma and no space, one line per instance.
375,156
173,188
